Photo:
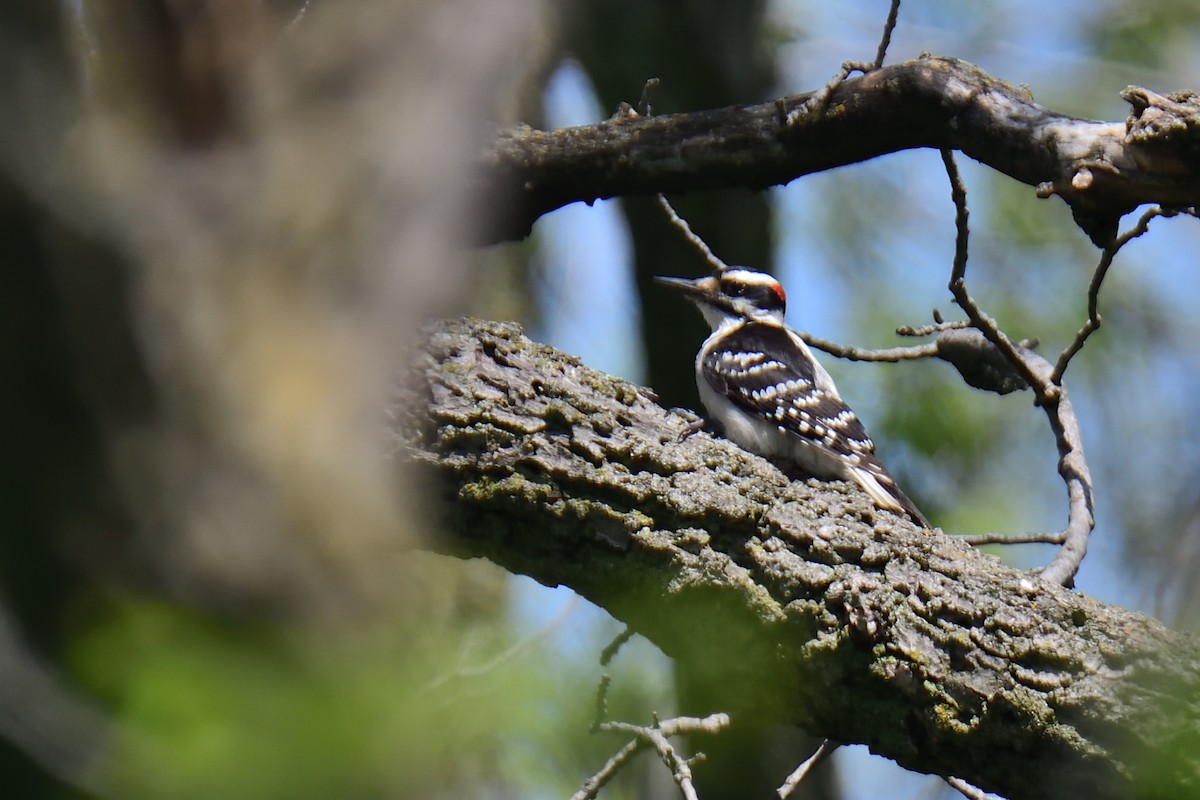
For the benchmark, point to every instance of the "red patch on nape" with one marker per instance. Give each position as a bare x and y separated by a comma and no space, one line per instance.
777,288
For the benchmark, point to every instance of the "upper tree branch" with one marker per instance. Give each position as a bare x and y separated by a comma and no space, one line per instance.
1102,169
802,601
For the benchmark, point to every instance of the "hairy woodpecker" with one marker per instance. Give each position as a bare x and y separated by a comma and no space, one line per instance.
772,397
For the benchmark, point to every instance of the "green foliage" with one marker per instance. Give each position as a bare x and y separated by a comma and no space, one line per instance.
215,708
207,706
1148,33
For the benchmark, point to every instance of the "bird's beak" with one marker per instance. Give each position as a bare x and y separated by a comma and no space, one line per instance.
698,288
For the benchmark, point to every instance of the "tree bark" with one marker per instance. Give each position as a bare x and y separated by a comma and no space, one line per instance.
1101,169
803,602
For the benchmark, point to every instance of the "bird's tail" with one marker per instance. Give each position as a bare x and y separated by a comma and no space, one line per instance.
882,488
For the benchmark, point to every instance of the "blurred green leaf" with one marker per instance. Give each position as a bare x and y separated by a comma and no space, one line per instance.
211,708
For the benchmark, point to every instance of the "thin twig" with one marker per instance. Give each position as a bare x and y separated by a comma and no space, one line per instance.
1106,258
958,283
818,101
681,224
801,772
860,354
937,327
610,650
1037,371
463,671
657,736
888,28
647,90
973,792
1019,538
601,702
592,786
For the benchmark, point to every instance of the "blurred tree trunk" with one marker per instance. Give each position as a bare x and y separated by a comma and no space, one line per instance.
714,55
213,258
70,375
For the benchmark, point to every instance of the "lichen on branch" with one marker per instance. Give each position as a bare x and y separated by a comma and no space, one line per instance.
803,602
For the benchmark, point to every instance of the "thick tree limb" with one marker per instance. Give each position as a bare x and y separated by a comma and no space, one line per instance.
805,603
1101,169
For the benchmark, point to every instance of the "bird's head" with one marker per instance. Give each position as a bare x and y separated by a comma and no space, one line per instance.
733,294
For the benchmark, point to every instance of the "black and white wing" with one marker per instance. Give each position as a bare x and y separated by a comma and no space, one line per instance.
767,372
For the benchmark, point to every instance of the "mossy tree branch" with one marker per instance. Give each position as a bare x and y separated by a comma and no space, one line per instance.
803,602
1101,169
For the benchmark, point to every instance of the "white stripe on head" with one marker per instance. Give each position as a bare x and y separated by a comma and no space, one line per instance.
747,275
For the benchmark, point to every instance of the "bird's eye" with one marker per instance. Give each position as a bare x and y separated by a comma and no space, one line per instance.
735,288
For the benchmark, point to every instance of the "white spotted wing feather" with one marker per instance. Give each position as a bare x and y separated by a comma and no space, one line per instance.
791,408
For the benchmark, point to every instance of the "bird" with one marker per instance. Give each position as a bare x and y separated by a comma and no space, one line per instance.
768,392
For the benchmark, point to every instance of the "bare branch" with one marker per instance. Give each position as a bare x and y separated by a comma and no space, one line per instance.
1072,466
658,736
601,702
939,326
970,791
1101,169
888,28
610,651
1056,537
592,786
818,103
861,354
977,360
958,285
693,238
1037,373
1106,258
801,772
815,106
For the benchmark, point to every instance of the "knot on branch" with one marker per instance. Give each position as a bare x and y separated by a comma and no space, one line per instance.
1161,118
979,362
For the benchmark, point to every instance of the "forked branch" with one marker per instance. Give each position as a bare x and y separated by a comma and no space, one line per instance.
1038,374
657,735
